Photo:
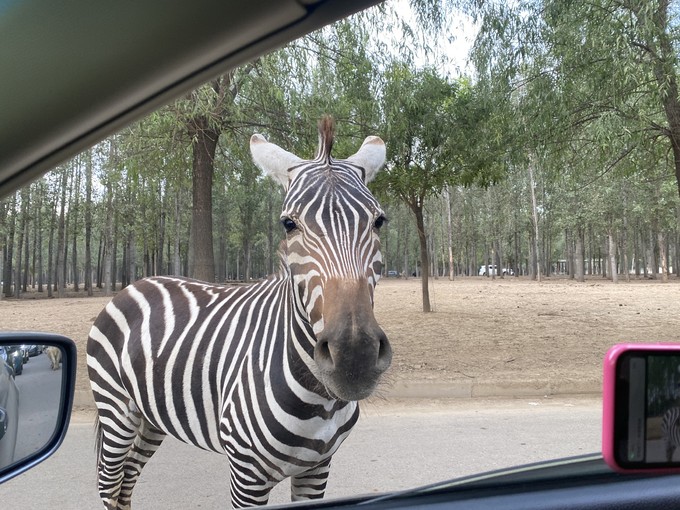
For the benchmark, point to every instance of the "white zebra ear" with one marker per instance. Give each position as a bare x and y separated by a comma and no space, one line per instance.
272,159
370,157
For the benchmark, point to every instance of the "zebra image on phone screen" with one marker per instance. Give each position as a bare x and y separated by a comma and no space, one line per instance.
670,431
269,374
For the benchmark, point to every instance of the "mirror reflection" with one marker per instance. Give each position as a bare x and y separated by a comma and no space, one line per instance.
30,393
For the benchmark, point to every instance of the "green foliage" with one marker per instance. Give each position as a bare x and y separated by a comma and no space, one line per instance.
589,80
439,133
582,90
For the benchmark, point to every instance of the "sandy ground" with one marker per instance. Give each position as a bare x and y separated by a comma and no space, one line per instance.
504,331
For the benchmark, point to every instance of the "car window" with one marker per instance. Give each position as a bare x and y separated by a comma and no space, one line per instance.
488,365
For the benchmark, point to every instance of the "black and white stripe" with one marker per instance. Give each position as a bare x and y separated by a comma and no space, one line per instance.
670,431
268,374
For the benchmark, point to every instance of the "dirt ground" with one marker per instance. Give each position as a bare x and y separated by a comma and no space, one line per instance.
501,330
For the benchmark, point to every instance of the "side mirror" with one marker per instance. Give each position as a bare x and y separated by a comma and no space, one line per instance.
37,381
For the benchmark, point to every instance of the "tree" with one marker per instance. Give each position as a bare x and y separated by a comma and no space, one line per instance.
206,112
88,223
606,68
439,133
413,103
60,266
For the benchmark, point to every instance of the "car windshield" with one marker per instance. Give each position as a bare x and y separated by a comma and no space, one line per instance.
520,218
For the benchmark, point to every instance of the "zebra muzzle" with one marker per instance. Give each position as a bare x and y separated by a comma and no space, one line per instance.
352,350
351,369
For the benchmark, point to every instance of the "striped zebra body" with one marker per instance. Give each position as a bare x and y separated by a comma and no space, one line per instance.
670,431
268,374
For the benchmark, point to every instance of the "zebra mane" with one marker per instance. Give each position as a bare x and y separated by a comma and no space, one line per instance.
326,135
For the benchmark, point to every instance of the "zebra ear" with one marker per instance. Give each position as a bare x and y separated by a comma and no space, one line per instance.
370,157
272,159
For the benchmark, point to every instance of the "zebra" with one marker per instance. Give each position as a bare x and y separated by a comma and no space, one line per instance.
670,431
269,374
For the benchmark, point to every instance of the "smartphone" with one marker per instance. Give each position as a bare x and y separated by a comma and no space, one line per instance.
641,403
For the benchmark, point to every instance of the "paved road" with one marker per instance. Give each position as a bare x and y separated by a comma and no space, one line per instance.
394,446
39,394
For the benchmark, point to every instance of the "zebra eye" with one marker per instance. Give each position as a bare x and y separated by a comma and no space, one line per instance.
379,222
288,224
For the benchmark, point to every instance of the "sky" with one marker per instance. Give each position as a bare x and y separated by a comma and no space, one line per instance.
455,43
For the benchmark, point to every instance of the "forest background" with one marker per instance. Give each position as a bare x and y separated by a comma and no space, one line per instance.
553,149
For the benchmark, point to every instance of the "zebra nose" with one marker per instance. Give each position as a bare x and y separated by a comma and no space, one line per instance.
350,366
370,351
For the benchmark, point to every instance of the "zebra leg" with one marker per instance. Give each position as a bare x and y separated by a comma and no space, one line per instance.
310,484
124,443
247,486
115,431
147,441
670,449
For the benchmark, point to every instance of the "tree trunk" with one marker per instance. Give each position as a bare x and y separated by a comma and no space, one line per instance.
663,257
534,215
650,272
88,225
664,68
159,258
131,267
405,271
99,270
20,242
61,240
434,260
579,256
591,269
73,211
204,144
247,270
36,227
270,228
50,250
385,246
568,256
9,248
676,264
518,269
499,255
39,240
176,259
3,241
624,239
24,280
221,265
612,257
124,280
67,225
424,260
108,244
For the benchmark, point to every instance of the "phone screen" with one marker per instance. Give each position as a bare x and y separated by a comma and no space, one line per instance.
647,416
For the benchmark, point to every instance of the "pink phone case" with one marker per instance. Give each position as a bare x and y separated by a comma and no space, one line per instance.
608,402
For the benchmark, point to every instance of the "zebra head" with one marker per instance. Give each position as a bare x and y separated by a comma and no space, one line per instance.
332,253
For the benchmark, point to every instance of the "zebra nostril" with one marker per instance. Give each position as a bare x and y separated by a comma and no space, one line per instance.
384,354
323,355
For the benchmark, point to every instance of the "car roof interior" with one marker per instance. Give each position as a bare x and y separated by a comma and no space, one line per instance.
78,71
